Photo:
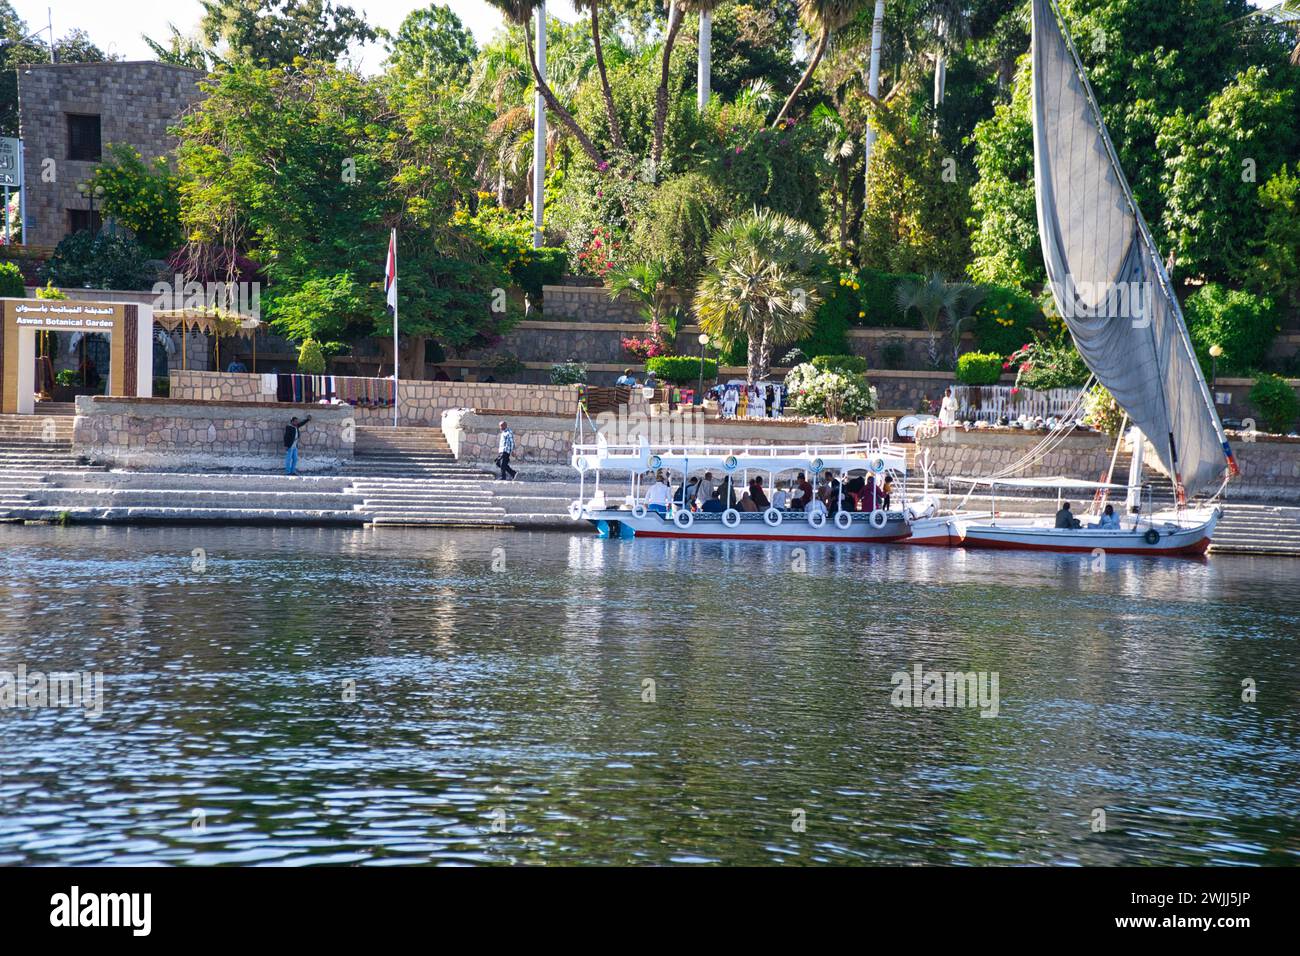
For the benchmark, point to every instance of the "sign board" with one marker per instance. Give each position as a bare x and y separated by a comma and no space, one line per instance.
9,165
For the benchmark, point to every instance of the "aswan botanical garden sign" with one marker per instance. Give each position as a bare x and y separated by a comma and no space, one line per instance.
130,335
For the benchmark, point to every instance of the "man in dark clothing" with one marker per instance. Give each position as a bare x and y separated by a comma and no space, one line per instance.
1065,517
757,496
292,432
805,493
505,448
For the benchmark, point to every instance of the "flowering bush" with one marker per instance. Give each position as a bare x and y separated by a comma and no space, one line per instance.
829,394
644,348
1101,411
599,254
1045,363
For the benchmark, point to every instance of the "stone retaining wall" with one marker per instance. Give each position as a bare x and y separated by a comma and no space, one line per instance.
420,402
1084,455
1270,469
159,434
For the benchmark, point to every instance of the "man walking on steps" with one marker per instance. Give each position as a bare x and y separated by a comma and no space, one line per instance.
291,433
504,449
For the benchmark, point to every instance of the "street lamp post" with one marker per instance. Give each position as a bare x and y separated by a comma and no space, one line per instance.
704,344
91,193
1215,352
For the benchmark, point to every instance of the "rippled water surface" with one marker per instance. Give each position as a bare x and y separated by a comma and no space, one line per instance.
500,710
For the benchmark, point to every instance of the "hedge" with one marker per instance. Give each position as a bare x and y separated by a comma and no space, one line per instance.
1277,403
979,368
681,369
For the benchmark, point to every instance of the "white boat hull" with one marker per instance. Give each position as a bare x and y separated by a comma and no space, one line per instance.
794,526
1189,536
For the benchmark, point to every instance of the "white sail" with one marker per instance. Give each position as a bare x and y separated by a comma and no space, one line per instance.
1106,274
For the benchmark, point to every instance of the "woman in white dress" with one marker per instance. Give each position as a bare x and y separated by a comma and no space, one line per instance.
948,409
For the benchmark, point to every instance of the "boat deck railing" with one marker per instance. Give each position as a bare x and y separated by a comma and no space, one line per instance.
746,451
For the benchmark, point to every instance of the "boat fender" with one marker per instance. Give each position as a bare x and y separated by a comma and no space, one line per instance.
683,519
816,519
842,520
772,517
575,510
1152,536
731,517
638,511
879,519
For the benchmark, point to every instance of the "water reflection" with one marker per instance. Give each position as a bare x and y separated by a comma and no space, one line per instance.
500,681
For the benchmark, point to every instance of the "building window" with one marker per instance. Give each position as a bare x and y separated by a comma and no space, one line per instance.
83,220
83,138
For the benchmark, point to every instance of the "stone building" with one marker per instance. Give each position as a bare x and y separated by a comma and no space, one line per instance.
68,115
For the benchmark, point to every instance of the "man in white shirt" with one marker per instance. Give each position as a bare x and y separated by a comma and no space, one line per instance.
816,507
781,499
658,496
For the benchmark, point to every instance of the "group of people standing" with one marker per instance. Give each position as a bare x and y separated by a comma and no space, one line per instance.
830,495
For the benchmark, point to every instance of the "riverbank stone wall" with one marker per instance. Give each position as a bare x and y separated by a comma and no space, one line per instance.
158,434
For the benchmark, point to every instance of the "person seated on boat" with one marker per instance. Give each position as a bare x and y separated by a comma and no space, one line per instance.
757,495
780,499
1109,519
1065,518
747,502
805,495
705,487
713,505
658,497
817,506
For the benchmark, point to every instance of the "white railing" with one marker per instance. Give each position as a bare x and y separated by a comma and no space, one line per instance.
988,403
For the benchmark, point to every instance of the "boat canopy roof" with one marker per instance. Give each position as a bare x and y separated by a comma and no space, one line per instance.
875,456
1056,482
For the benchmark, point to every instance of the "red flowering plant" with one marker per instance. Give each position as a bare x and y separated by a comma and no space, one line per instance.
643,348
1047,362
599,254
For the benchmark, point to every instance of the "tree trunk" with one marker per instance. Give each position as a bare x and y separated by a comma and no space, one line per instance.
764,355
661,96
615,134
556,107
822,40
755,359
411,353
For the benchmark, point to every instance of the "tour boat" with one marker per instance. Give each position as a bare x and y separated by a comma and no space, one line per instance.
630,516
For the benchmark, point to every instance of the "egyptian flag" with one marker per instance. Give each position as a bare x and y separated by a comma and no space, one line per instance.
390,274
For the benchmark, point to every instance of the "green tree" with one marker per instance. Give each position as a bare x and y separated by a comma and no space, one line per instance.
764,280
276,32
822,18
434,43
917,200
179,49
1275,250
1218,159
143,197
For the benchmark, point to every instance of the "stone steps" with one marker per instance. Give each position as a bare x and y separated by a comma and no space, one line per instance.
190,515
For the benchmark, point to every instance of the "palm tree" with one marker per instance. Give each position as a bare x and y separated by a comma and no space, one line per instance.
704,71
822,17
932,299
763,280
838,154
615,131
873,93
643,282
520,12
966,297
1291,15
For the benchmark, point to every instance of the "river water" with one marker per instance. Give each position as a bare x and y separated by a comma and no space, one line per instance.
388,696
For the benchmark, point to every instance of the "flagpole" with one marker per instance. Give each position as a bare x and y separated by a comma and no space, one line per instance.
396,380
